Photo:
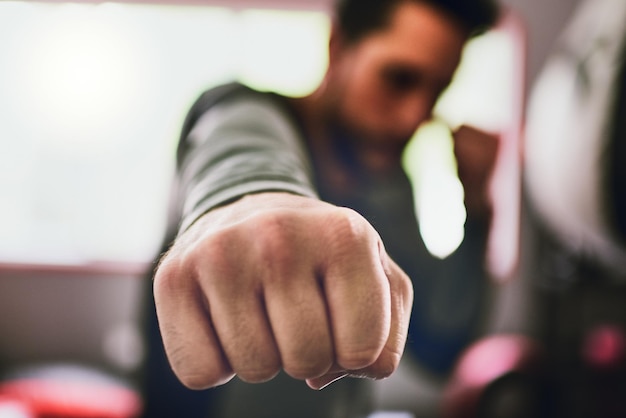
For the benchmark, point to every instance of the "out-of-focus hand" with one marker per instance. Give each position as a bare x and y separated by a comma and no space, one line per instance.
277,281
476,152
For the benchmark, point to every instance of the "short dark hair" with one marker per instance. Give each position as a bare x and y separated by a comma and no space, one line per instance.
357,18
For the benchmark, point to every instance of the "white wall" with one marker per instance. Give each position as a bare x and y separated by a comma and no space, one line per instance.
544,19
515,305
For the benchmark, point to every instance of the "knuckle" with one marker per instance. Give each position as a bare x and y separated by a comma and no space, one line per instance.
213,248
167,277
275,242
349,232
349,223
275,227
385,365
215,256
276,251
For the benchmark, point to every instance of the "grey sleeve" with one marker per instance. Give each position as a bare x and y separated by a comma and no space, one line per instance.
240,146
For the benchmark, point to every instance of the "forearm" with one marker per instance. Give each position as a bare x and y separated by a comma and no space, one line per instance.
237,149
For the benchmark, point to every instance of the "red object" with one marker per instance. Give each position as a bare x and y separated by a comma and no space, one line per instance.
482,364
50,398
605,347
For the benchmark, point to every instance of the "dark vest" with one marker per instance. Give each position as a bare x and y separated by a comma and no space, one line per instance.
448,293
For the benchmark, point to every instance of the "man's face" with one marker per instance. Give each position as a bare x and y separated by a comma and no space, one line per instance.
386,84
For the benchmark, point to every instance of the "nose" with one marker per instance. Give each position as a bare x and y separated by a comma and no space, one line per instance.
411,112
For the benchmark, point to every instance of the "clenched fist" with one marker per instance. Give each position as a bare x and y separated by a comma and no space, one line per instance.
275,281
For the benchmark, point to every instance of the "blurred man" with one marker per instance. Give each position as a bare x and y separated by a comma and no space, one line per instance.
298,250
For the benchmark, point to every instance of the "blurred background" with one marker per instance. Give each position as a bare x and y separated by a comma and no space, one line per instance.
92,99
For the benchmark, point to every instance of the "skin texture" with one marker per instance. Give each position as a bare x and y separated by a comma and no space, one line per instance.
276,281
319,302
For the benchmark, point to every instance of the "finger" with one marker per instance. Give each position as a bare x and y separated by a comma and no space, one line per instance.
401,295
190,342
357,292
241,325
297,312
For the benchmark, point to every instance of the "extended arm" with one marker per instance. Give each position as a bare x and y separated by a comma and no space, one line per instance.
264,275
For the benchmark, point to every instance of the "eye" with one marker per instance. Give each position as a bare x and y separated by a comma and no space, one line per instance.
401,79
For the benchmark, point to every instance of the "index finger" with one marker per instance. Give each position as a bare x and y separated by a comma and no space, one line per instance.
189,338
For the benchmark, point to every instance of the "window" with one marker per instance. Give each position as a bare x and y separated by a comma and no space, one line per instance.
93,97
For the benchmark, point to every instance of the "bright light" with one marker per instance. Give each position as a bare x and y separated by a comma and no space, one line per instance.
80,69
483,89
296,62
92,99
429,162
482,95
